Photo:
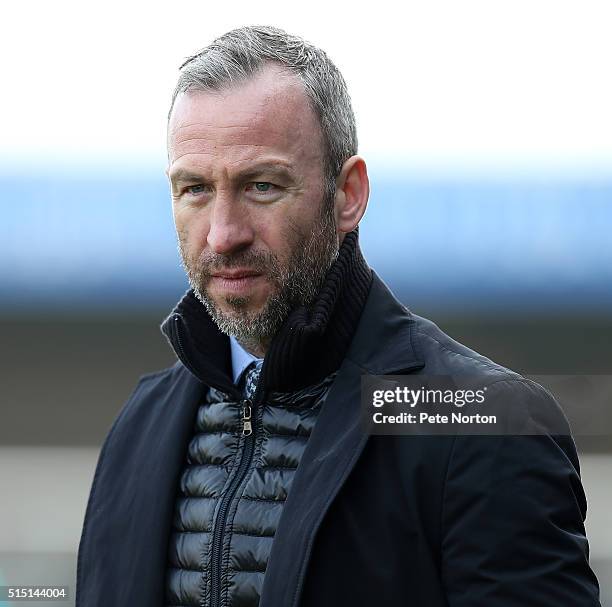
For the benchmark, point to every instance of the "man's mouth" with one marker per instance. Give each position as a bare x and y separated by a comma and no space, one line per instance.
234,274
235,281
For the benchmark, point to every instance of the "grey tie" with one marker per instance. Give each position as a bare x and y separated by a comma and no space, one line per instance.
250,377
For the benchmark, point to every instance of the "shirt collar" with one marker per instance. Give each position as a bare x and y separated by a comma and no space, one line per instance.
241,359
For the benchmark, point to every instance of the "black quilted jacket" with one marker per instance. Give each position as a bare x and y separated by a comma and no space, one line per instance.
410,521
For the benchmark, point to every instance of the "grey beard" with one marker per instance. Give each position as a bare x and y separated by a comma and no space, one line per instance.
297,284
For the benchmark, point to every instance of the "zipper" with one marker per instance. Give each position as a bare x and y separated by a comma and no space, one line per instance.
247,427
249,417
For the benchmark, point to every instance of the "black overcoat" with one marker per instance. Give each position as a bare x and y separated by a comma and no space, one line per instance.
370,520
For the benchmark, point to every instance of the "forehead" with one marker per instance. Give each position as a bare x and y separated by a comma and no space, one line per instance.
267,115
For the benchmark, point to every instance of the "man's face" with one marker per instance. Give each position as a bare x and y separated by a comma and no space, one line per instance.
246,170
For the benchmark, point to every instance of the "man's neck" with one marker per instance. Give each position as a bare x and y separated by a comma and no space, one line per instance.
256,347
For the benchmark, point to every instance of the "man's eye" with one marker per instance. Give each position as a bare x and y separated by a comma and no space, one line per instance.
262,187
194,190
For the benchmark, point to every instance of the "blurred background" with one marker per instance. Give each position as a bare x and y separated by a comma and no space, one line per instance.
487,131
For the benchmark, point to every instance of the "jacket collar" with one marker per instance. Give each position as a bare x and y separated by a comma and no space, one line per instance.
386,340
310,345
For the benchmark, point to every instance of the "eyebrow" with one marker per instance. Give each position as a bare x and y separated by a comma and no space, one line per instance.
184,176
272,168
276,168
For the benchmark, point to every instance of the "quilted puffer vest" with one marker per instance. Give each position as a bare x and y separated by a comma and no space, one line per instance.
232,492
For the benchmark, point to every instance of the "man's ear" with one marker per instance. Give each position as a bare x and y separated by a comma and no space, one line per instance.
352,192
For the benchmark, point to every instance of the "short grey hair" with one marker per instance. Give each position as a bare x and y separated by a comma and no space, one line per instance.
241,53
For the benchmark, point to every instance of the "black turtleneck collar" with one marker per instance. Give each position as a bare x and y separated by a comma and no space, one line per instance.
310,344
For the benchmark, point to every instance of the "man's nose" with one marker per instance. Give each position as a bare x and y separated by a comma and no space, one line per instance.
230,228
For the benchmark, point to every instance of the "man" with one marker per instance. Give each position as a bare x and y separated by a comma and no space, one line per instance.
242,475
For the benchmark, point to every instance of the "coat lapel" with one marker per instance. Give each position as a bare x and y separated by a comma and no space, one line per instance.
383,343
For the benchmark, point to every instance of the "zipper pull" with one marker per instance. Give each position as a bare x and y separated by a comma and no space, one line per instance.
246,419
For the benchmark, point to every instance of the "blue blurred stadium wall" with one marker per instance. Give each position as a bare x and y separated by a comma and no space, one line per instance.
94,242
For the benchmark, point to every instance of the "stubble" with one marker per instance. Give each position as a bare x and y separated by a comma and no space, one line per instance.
295,283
